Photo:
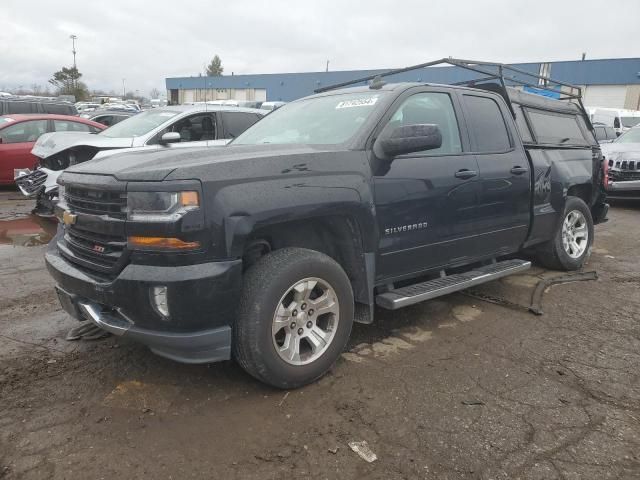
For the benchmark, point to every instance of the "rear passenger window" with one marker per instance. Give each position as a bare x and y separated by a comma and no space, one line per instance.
20,107
430,108
600,133
556,128
486,124
66,126
237,122
57,109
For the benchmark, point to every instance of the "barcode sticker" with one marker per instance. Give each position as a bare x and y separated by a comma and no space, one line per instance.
358,102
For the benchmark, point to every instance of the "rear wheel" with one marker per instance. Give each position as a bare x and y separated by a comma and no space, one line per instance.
295,317
571,244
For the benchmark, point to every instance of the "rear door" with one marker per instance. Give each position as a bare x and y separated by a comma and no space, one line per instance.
425,201
503,210
16,142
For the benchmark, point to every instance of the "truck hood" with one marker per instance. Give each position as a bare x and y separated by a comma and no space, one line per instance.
56,142
187,163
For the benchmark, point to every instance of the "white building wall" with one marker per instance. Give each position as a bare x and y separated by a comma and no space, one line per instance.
610,96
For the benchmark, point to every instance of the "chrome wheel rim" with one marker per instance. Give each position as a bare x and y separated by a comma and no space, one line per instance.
575,234
305,321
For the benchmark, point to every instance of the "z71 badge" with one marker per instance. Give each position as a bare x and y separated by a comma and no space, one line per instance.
405,228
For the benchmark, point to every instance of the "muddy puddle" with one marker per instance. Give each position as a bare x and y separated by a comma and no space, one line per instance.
28,231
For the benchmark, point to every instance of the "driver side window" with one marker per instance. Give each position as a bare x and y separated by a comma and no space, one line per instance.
430,108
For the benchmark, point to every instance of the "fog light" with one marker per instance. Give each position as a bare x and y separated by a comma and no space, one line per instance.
159,300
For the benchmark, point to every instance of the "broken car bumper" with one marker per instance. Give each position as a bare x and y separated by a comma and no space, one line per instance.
201,301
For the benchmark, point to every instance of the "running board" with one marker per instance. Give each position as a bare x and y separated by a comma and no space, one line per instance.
419,292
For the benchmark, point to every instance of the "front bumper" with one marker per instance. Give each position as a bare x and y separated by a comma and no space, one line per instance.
202,301
625,189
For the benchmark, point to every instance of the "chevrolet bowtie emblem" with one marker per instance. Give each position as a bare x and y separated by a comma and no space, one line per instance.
69,218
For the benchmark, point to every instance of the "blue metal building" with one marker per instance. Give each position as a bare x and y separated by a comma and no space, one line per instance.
606,82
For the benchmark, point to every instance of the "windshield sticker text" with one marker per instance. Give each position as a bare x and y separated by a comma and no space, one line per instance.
358,102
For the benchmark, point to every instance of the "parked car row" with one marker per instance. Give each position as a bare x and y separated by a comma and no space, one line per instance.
619,119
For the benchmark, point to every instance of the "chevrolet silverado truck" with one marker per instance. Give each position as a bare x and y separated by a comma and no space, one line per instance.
267,250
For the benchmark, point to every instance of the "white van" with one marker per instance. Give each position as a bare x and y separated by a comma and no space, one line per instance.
618,118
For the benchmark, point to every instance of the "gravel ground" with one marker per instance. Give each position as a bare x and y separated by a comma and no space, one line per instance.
456,388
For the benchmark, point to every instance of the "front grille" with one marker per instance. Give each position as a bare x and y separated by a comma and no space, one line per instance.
96,202
94,245
102,251
32,182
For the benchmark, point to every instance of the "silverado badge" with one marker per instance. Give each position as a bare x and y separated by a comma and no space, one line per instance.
405,228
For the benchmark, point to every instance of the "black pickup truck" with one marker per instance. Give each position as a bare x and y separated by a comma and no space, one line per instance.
266,251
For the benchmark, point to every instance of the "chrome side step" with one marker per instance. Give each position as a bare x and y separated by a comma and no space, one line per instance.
419,292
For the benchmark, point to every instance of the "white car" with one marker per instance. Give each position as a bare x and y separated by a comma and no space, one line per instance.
619,119
168,127
159,128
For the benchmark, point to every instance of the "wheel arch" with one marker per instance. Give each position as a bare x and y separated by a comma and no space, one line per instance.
340,236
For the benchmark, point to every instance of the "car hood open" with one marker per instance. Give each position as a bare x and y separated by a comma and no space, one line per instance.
56,142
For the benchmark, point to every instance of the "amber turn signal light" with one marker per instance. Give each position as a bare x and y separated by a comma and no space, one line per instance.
189,199
162,243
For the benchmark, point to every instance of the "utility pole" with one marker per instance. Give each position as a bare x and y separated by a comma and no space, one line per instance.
327,69
123,90
73,50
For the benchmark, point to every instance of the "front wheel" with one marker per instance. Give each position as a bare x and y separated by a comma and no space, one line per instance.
295,317
571,244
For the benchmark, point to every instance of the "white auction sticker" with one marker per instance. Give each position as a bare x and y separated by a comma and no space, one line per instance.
358,102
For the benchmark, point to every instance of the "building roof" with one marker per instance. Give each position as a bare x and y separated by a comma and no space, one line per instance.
290,86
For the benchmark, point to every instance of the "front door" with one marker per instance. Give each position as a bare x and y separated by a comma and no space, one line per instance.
425,201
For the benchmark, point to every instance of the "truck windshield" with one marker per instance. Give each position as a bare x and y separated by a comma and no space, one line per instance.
630,121
329,120
632,136
138,125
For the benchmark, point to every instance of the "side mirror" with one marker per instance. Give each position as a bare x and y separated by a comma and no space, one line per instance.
170,137
410,139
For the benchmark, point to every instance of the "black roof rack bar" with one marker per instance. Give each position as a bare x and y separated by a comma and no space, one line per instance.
476,80
476,66
513,69
383,74
500,75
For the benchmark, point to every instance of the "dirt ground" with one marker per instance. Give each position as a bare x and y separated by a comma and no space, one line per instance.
457,388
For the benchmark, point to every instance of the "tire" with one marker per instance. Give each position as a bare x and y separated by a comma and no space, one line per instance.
264,347
560,255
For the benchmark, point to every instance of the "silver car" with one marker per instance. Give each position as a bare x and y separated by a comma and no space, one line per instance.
168,127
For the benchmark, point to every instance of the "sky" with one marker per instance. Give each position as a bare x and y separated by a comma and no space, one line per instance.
146,41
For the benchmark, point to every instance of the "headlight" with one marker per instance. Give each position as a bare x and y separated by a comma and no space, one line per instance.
160,206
